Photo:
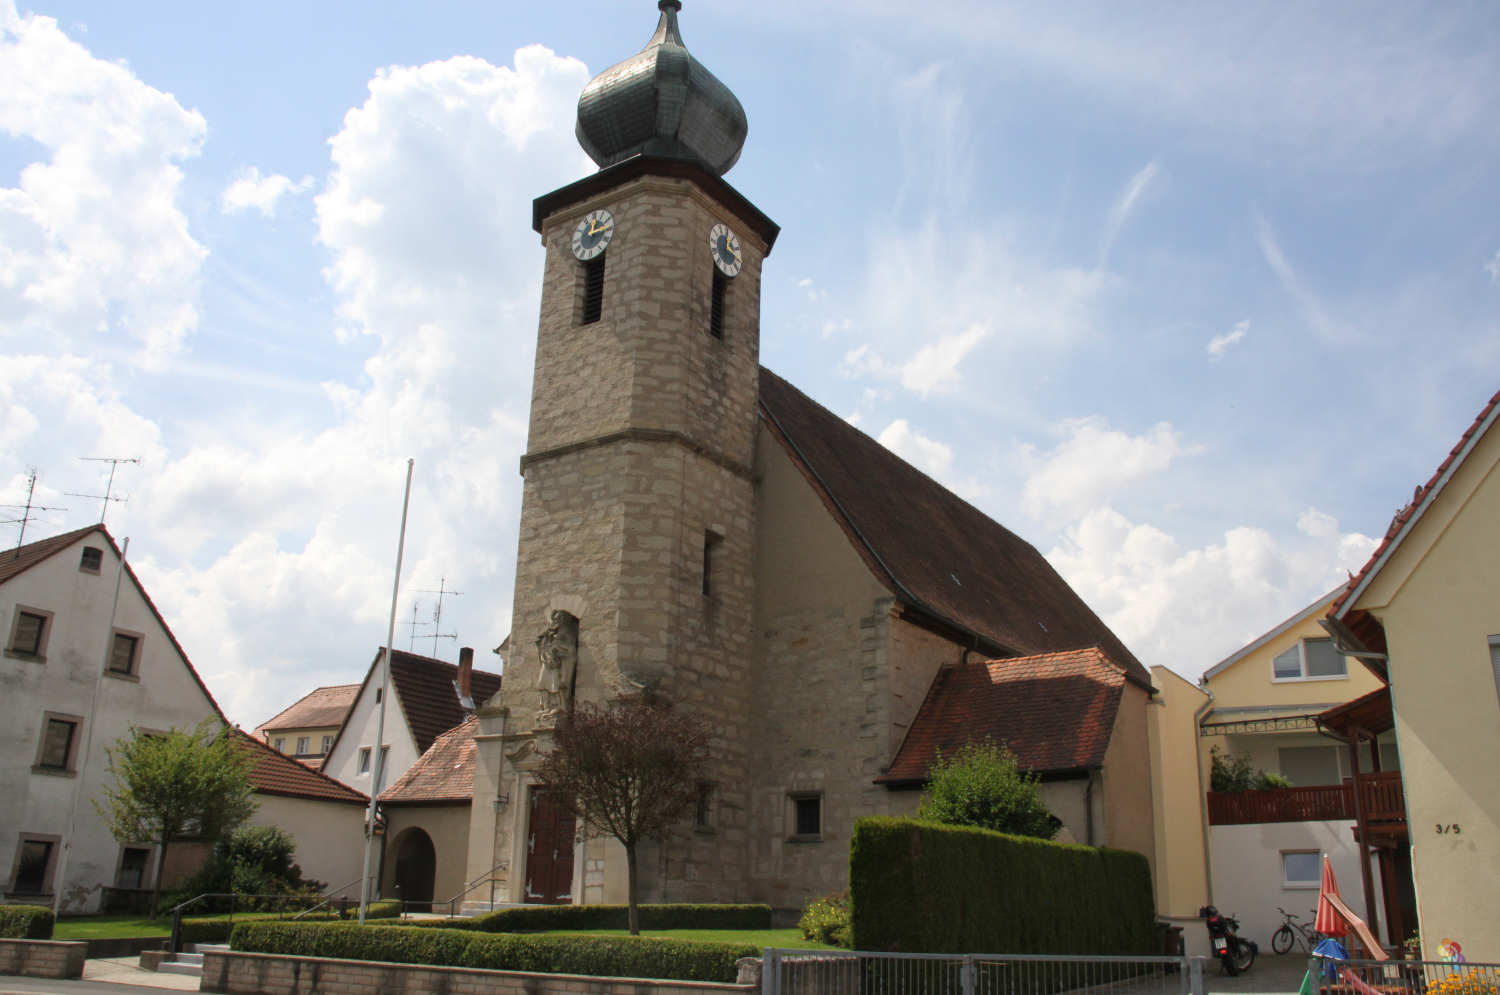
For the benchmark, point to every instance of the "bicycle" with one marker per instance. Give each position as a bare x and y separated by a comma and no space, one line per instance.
1292,931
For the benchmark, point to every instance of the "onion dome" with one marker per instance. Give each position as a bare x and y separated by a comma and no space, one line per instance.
662,102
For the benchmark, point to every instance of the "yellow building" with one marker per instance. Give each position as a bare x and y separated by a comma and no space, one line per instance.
1426,610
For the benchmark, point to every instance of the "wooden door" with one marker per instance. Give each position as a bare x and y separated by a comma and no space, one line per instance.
549,852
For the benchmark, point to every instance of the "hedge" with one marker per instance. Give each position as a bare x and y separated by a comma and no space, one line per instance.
599,956
25,922
923,887
218,928
547,918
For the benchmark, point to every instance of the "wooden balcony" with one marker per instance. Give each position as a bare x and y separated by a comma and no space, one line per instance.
1380,796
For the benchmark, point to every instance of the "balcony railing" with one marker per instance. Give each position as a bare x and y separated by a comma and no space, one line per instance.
1380,796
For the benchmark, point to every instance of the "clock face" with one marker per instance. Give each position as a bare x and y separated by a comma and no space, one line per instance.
725,246
593,233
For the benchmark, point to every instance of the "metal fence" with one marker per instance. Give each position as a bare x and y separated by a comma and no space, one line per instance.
1404,977
838,972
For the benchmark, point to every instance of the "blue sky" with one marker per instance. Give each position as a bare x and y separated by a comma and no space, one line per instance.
1188,298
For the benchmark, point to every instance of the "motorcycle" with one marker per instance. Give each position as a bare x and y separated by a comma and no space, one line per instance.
1233,951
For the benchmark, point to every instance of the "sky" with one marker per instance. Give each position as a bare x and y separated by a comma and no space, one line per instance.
1189,297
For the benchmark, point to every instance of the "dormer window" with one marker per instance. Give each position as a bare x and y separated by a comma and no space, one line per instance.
1310,660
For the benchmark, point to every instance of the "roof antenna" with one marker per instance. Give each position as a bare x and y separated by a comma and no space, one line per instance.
27,509
109,488
412,625
437,613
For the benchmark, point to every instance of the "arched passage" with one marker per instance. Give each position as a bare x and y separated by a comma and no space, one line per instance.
416,865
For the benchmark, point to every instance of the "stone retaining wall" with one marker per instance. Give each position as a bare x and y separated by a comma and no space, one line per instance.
43,958
233,973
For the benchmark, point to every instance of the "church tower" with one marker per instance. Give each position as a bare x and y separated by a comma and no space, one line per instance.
636,541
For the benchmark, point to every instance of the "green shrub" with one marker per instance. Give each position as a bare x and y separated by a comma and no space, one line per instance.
827,919
599,956
546,918
25,922
983,785
921,887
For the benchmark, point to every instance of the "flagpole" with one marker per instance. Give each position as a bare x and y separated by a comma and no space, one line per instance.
385,695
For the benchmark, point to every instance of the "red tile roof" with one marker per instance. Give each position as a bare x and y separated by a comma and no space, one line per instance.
1423,495
322,707
17,561
933,550
425,688
1055,712
276,774
444,773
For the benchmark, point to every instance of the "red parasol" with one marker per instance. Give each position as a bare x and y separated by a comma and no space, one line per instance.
1328,921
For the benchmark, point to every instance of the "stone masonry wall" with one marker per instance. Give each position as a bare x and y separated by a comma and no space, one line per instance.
271,974
43,958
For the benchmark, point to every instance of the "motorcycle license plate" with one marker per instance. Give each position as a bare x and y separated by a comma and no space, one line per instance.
1220,945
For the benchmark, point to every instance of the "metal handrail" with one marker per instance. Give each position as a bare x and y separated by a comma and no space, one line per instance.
330,897
175,944
487,876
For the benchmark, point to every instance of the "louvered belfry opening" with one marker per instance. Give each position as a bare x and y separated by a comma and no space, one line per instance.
716,306
593,290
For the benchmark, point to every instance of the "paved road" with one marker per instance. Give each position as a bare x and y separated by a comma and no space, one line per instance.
102,976
1272,974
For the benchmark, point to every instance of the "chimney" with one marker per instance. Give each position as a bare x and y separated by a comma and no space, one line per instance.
465,672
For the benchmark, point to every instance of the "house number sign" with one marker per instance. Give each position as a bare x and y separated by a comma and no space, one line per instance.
1449,829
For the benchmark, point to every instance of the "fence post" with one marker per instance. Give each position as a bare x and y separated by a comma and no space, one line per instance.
968,975
1195,973
770,977
176,944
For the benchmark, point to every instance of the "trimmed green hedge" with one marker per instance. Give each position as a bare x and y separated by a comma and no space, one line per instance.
26,922
217,929
549,918
599,956
930,888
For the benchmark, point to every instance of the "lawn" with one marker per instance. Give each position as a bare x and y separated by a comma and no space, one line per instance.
763,938
112,927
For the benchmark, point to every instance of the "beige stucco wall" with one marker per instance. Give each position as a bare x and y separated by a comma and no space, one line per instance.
1181,842
290,736
164,696
1439,600
1125,782
342,764
1249,681
330,837
448,827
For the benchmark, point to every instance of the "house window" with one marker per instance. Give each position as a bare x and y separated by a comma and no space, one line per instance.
1301,869
806,816
301,746
703,808
279,744
134,860
28,634
1310,660
378,692
33,867
712,543
124,654
716,305
364,760
593,291
59,746
327,744
92,557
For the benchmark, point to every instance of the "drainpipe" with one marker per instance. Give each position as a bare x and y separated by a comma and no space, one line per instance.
1208,864
1088,806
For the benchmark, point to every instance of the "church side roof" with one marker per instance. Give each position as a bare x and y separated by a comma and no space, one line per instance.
934,550
325,706
425,687
444,773
1055,712
273,773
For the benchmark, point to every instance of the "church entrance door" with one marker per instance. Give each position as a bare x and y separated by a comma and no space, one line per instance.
549,852
416,866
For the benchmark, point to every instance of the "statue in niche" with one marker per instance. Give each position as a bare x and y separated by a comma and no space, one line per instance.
557,652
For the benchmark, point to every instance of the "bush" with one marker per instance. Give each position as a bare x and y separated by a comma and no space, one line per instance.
545,918
982,785
921,887
598,956
253,860
827,920
25,922
1235,774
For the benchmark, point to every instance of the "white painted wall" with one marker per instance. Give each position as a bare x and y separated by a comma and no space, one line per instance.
1247,877
330,836
342,763
164,696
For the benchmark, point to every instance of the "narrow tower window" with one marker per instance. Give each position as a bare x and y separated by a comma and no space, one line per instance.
593,290
711,543
716,306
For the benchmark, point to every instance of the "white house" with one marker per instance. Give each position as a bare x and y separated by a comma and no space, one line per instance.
86,657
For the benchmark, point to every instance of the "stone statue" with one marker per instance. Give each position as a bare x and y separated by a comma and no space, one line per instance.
557,652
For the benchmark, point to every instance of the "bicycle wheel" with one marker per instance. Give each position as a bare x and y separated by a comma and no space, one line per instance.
1282,940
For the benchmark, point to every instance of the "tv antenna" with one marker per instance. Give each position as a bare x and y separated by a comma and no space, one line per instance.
26,509
437,613
412,625
106,497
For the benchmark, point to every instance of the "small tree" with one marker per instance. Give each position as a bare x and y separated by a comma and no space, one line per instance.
176,785
630,770
983,785
1238,773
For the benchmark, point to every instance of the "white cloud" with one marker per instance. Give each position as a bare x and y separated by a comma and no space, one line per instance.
1124,206
1189,608
1221,343
1092,465
1493,267
1311,308
928,455
94,239
251,190
934,368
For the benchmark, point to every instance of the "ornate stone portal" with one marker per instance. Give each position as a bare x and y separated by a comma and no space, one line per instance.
557,655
